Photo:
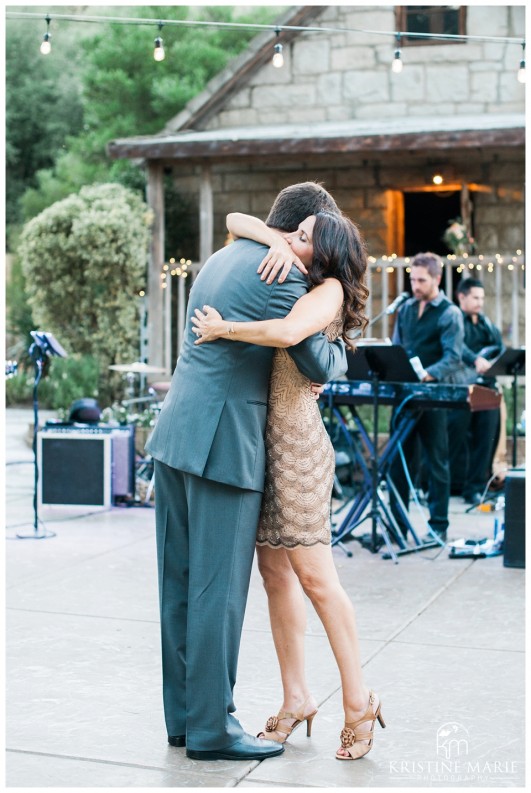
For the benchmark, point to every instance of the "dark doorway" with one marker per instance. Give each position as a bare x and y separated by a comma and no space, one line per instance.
426,217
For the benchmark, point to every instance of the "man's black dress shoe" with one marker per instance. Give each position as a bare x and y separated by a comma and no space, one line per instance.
247,748
177,740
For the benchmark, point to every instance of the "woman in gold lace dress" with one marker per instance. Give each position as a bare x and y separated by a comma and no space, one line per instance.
293,540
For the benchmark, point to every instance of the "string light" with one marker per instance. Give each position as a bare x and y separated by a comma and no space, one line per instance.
521,71
278,58
397,64
158,52
437,178
46,46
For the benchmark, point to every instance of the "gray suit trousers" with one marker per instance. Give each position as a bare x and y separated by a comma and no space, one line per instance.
206,534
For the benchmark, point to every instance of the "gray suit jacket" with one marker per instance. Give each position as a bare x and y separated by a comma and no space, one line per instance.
213,418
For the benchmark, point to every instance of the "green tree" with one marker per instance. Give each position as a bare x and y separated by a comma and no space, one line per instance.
84,259
126,92
43,107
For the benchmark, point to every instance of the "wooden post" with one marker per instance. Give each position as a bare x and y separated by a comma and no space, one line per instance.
385,301
448,279
498,293
155,328
515,335
167,322
368,284
181,311
206,215
400,272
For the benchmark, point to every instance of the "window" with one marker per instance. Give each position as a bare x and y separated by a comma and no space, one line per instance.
431,19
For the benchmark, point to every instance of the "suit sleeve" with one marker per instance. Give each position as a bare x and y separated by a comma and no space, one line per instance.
315,357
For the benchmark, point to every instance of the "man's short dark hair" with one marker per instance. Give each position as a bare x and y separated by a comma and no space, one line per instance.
297,202
466,284
430,261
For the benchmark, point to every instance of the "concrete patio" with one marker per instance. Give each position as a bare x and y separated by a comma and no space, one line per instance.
442,642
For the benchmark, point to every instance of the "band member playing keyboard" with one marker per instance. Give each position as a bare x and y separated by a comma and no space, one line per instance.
429,326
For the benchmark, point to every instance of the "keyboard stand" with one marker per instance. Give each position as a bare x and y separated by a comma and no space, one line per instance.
382,362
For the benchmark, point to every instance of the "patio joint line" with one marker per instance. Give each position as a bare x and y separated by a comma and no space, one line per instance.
407,623
76,614
164,769
430,602
462,647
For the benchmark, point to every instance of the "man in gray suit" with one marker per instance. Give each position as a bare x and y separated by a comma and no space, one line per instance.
209,453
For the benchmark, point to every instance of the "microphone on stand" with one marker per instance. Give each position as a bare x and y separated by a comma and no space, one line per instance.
397,302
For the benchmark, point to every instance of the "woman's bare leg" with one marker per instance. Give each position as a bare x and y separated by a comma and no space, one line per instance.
287,612
317,573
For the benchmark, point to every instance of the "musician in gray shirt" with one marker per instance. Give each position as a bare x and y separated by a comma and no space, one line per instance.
429,326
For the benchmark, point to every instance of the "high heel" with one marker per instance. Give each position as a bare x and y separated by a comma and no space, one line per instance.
273,724
349,736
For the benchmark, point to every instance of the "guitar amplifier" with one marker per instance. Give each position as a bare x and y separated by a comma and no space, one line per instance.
87,466
514,539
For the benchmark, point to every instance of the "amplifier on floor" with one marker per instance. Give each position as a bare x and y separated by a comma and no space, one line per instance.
514,540
85,466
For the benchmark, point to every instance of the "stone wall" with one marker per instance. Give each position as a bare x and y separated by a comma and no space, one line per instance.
361,187
340,76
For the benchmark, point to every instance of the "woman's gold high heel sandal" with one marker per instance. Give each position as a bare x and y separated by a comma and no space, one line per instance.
273,724
349,736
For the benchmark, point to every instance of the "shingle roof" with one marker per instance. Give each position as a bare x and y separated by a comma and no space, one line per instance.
414,132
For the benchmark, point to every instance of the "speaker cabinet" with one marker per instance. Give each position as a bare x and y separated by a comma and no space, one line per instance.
85,466
74,469
514,541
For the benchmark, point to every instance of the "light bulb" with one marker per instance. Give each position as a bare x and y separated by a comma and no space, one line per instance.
158,52
278,58
46,46
437,178
521,72
397,64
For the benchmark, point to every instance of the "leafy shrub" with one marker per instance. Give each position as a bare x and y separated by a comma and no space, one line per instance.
67,379
19,388
84,259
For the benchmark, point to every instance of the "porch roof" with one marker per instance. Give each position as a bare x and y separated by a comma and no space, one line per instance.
414,133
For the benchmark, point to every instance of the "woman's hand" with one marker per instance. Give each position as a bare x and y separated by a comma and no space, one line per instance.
316,390
280,258
208,325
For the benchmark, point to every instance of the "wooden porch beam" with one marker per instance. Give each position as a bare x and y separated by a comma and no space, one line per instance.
206,215
155,327
173,149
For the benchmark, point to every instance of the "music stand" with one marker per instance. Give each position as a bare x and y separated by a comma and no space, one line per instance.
44,346
510,362
378,362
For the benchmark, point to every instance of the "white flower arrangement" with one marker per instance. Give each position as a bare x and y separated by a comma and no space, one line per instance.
458,238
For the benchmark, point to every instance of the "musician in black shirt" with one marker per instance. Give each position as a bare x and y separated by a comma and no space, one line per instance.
430,327
473,435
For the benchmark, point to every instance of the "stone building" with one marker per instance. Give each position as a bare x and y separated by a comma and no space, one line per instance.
337,113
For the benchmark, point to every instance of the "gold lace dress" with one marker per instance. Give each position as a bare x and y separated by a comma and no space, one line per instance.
300,459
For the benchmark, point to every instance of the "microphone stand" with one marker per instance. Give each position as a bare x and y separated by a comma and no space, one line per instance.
39,357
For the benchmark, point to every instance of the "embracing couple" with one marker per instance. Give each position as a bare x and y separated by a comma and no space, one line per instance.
243,461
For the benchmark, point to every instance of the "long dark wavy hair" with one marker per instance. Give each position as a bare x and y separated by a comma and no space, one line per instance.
339,251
